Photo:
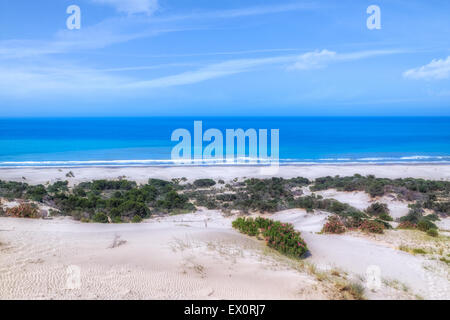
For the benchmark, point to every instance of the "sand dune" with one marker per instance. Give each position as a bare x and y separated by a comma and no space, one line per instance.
427,278
173,258
194,256
199,255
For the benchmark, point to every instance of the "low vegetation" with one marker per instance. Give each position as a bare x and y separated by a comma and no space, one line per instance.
338,225
23,211
334,225
122,200
279,236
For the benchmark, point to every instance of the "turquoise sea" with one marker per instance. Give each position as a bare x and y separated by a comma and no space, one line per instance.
146,141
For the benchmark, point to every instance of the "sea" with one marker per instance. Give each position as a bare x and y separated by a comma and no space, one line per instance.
146,141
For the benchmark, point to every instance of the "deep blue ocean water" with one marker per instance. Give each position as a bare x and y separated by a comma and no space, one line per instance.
146,141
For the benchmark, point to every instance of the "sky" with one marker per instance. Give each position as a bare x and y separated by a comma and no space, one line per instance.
230,57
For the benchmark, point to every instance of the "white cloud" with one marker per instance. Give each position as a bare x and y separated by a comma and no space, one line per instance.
321,59
101,35
260,10
132,6
437,69
313,60
237,13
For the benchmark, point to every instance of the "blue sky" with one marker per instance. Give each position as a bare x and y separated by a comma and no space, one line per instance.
278,57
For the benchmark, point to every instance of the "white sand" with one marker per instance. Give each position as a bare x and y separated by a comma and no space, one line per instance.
167,258
142,174
182,257
362,200
428,278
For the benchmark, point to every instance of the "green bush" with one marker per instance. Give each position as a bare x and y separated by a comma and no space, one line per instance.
432,217
100,217
173,201
385,217
204,183
136,219
432,232
117,219
425,225
377,209
414,215
280,236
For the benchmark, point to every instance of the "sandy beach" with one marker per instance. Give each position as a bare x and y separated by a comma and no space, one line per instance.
142,174
200,256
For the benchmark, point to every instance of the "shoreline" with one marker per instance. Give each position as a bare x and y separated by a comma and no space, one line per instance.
302,164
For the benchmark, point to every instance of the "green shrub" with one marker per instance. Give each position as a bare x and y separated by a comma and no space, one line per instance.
173,201
226,197
377,209
36,193
385,217
136,219
280,236
414,216
425,225
419,251
100,217
248,226
432,217
117,219
432,232
204,183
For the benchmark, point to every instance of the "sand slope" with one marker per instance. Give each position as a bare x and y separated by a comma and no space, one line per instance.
170,258
427,278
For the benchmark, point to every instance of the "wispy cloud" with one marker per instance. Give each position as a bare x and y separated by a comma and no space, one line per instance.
116,30
204,15
437,69
321,59
309,60
69,78
248,11
313,60
209,72
131,7
101,35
